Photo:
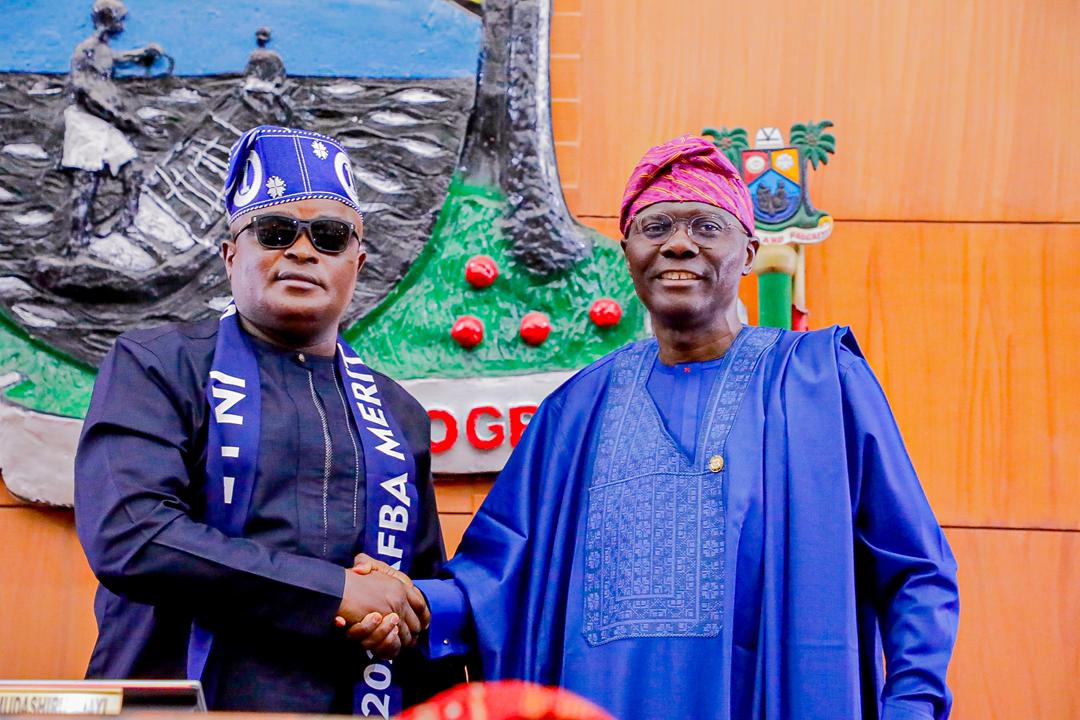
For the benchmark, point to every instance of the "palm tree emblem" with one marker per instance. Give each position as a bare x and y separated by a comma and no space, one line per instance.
813,142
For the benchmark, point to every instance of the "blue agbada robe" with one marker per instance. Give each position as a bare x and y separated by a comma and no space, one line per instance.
609,560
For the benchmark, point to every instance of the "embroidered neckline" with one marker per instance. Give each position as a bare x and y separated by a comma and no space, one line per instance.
651,360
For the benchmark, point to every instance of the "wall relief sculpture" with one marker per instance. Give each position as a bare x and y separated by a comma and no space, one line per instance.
115,125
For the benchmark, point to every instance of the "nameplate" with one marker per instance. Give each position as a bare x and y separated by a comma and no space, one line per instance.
99,697
41,701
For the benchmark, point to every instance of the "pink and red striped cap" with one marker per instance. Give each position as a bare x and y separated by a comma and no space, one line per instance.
686,169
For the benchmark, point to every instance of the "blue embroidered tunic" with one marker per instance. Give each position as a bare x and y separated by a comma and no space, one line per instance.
270,596
741,565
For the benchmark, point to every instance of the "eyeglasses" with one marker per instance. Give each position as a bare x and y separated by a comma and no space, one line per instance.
277,232
706,230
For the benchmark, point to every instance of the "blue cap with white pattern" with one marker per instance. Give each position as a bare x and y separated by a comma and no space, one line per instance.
272,165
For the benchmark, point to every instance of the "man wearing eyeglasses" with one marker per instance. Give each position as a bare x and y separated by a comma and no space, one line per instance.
718,522
230,470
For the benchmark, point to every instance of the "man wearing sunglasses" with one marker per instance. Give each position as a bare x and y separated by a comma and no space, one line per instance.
717,522
231,470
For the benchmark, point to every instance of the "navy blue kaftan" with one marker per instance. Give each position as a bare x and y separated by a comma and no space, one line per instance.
270,596
740,571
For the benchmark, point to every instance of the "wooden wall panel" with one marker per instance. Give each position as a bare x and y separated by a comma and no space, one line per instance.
461,493
1018,652
944,110
453,528
565,66
972,329
47,626
458,498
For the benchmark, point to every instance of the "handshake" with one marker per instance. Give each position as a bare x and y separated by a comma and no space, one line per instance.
381,608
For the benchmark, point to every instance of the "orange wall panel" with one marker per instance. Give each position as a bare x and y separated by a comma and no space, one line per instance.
1018,653
461,493
944,111
47,627
458,497
453,528
565,79
972,330
568,157
565,32
565,119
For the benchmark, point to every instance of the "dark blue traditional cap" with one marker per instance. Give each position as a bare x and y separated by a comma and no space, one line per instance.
272,165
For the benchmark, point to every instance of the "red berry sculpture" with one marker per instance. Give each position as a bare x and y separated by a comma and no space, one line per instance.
468,331
481,271
605,312
535,328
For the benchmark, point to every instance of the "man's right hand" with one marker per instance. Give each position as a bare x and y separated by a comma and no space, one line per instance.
376,609
364,564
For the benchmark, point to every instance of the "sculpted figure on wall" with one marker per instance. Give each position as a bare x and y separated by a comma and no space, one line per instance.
264,81
97,121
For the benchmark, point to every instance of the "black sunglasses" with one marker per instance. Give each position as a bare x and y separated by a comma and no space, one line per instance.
277,232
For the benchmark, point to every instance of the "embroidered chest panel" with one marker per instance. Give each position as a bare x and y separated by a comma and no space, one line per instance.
654,540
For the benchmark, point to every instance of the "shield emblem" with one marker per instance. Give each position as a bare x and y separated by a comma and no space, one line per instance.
774,178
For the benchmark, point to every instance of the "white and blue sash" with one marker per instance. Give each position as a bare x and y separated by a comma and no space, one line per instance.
232,454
